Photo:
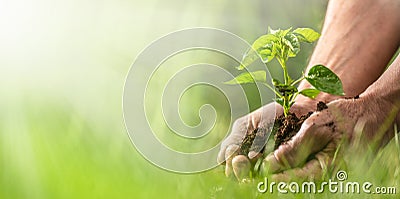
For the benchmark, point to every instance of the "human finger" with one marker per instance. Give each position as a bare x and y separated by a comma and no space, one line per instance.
314,135
230,153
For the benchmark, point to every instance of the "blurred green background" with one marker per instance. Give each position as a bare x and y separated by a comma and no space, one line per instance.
63,65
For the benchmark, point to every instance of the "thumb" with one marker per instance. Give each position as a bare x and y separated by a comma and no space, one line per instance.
316,132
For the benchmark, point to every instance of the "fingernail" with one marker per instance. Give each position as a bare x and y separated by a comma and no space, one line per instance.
254,156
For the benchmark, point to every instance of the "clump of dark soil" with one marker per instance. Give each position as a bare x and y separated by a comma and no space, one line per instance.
254,141
321,106
284,129
288,127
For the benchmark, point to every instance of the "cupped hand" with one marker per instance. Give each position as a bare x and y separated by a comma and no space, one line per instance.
238,165
365,120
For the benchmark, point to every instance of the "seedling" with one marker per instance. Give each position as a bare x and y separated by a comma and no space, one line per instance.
282,45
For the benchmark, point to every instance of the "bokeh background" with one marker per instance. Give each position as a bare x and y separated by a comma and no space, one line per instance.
63,65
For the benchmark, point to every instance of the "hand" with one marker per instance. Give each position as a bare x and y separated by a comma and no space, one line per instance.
239,165
312,149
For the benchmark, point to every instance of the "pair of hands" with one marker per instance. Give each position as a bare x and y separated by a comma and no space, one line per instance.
312,150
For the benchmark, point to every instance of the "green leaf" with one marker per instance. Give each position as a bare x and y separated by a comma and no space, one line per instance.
323,79
282,33
271,31
306,35
249,77
263,47
266,55
247,59
276,82
279,32
263,41
293,43
310,92
277,50
280,101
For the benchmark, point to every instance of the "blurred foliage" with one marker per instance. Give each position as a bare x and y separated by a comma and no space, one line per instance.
63,68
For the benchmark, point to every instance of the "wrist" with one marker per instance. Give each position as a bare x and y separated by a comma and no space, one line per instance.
385,97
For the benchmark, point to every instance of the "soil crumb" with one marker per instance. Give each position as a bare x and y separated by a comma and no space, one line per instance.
321,106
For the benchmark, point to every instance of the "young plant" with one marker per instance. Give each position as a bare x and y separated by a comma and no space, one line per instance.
282,45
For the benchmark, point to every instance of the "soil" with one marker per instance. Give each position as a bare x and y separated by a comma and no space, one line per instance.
284,129
258,137
321,106
288,127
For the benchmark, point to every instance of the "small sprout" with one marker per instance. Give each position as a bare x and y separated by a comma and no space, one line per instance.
282,45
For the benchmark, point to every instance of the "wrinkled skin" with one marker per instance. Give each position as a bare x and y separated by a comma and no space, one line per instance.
359,60
323,132
260,118
364,122
319,138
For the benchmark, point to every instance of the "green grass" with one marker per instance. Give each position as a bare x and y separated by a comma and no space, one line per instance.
52,151
61,128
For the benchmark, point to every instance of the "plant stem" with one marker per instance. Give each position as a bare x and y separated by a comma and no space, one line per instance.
286,100
285,72
297,81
